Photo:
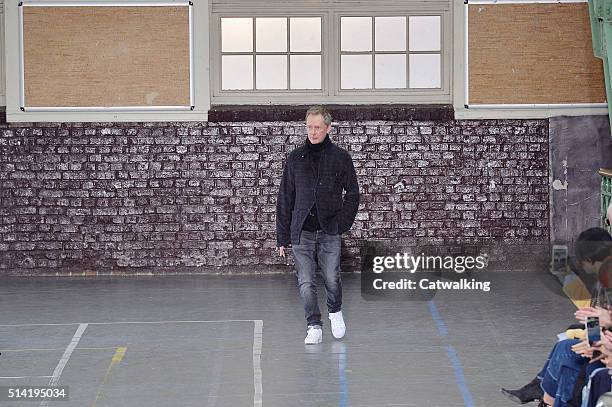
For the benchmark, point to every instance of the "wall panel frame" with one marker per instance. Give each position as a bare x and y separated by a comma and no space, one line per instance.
144,110
106,55
531,54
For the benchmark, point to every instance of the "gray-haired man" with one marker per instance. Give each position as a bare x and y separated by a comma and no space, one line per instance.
317,202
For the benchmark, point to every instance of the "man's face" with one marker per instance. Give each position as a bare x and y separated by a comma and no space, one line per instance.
317,128
589,268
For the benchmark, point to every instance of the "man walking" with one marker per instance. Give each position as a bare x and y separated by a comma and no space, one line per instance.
311,214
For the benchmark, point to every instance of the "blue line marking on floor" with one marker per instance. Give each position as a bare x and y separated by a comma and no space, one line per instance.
459,377
437,318
452,355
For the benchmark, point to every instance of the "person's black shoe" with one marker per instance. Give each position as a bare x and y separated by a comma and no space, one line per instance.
526,394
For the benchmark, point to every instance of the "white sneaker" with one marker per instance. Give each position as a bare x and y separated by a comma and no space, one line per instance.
337,324
314,335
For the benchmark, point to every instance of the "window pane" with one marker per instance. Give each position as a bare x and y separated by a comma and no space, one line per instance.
236,35
271,72
356,33
305,34
305,72
390,33
425,71
236,72
356,72
424,33
390,71
271,34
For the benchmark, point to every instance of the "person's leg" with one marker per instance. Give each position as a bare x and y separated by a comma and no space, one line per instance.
544,385
550,355
567,392
328,253
548,400
561,372
526,394
304,254
532,391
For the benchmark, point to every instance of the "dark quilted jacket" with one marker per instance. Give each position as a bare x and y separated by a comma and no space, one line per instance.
300,189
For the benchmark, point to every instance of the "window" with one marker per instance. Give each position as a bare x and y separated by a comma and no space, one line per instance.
392,52
276,53
336,51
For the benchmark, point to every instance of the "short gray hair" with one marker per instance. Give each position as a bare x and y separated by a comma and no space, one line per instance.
322,110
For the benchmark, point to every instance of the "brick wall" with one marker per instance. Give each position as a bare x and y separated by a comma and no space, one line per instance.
200,197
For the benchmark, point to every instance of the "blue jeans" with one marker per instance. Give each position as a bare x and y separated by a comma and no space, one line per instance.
561,371
325,249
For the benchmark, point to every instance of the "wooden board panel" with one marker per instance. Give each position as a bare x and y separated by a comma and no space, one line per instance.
106,56
532,53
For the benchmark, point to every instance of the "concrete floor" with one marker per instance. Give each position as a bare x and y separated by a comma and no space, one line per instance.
234,341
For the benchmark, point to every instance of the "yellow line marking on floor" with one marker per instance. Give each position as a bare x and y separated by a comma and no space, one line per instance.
117,357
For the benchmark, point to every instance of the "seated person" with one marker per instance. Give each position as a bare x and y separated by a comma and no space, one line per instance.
594,252
598,381
554,384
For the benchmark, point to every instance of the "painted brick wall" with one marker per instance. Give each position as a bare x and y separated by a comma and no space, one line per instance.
200,197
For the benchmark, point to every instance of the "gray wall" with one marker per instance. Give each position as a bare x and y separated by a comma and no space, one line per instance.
200,197
579,147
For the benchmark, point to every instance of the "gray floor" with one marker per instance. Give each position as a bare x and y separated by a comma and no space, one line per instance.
193,341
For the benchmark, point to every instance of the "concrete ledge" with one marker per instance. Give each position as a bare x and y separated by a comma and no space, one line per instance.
283,113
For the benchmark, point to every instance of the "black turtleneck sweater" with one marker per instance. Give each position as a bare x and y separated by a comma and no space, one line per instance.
314,153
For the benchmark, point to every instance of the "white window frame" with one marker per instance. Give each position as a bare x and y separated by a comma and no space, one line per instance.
331,12
460,80
241,96
201,92
432,95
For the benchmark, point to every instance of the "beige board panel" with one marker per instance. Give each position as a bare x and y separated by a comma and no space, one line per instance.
532,53
106,56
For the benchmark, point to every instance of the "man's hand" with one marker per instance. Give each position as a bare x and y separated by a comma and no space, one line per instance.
605,348
606,341
603,314
584,349
281,251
